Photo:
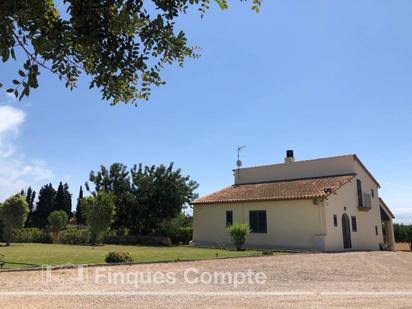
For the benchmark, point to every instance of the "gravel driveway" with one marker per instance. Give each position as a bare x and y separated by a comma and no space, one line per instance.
355,279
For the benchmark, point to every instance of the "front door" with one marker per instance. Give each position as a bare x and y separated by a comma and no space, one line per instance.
347,243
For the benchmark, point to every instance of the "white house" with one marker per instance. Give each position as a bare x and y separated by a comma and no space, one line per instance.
328,204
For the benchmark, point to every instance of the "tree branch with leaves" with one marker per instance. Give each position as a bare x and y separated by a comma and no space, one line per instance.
122,45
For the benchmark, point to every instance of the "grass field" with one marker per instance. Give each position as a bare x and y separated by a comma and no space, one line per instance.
33,255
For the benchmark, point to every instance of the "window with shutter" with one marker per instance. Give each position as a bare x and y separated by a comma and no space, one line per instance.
257,221
360,194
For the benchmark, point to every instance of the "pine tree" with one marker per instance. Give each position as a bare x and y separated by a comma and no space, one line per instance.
79,214
45,205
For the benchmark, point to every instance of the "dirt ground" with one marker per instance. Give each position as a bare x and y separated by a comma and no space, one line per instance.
402,246
355,279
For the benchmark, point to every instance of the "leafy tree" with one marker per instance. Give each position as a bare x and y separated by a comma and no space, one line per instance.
57,221
30,195
45,205
117,181
161,194
13,214
79,214
121,45
403,233
63,199
145,196
100,211
238,233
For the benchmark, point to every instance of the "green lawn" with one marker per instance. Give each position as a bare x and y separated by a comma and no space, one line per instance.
32,255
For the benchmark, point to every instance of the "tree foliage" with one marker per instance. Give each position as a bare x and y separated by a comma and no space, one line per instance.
403,233
57,220
121,45
63,199
30,195
99,211
13,214
161,194
144,196
79,214
45,205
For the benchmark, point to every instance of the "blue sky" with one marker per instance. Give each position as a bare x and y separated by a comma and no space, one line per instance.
323,78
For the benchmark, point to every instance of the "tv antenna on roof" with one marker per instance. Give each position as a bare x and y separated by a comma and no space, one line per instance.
238,162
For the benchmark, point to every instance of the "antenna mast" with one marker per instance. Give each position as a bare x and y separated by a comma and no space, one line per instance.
238,162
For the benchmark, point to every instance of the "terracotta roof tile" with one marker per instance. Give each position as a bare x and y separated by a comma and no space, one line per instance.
307,188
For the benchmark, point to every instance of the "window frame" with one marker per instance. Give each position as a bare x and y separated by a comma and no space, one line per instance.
261,226
335,220
359,193
354,223
229,214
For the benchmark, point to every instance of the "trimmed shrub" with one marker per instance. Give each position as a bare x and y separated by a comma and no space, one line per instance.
267,252
185,235
118,257
238,233
74,237
176,231
28,235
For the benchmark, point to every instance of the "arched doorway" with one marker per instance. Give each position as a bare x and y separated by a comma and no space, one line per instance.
347,243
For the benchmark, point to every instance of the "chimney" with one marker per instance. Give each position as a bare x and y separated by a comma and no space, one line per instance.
289,156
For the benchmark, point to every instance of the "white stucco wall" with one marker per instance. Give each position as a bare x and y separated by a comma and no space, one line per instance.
299,169
365,238
290,224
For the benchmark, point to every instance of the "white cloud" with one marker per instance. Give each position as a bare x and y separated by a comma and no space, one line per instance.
16,172
10,120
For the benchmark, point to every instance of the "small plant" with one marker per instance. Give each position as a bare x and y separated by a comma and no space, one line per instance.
118,257
238,233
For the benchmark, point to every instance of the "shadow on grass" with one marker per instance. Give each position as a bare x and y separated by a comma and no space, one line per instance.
3,263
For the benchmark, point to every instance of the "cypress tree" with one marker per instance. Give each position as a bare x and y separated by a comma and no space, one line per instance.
45,205
79,214
30,196
63,199
67,200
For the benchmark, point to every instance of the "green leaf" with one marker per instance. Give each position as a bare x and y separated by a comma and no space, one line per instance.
21,73
16,82
1,85
10,90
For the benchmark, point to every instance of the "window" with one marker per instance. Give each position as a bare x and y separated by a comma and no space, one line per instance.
360,196
335,220
257,221
373,193
376,230
229,217
354,224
